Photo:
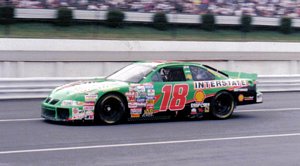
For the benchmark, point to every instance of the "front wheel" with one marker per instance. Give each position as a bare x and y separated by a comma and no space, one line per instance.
110,109
222,105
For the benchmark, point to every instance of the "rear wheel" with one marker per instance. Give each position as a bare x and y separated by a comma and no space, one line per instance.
110,109
222,105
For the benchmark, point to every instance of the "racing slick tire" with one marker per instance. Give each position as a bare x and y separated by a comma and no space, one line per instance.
110,109
222,105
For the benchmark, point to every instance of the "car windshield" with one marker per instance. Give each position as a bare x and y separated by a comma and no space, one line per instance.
132,73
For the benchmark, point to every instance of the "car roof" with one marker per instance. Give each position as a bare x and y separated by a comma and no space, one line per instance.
168,63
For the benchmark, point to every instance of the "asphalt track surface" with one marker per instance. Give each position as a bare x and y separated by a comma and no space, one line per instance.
262,134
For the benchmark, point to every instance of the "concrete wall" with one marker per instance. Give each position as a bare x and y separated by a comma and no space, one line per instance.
89,58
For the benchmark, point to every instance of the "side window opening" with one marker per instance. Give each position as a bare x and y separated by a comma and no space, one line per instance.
201,74
169,74
172,74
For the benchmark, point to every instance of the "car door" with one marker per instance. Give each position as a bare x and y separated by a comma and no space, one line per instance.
172,88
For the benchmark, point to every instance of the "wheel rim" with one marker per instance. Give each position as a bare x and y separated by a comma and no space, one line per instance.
223,105
111,110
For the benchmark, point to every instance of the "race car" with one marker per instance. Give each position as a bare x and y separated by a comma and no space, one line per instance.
153,90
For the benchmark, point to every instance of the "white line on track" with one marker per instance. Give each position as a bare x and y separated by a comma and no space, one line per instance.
238,111
270,110
149,143
20,120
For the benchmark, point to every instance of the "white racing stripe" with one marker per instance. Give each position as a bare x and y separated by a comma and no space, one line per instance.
20,120
148,143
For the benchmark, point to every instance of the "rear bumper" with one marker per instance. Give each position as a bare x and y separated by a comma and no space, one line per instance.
259,97
250,97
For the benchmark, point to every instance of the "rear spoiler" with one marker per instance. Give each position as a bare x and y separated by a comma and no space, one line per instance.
241,75
216,70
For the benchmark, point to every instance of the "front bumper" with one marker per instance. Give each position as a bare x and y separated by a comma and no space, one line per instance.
56,112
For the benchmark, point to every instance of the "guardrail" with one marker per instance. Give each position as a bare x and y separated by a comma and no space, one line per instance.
279,83
24,88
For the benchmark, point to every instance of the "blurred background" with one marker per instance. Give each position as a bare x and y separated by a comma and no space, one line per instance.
36,55
258,20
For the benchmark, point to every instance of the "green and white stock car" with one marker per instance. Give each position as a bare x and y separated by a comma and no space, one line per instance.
153,90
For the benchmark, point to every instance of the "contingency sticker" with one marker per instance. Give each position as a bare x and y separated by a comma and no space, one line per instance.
88,107
77,114
89,115
139,97
148,113
90,97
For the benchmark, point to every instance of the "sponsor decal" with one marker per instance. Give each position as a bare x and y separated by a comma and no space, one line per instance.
195,105
150,101
241,90
241,98
150,92
200,110
189,77
148,86
140,105
193,111
199,96
198,105
202,107
149,106
249,98
89,108
130,96
219,84
90,97
89,103
67,103
136,111
135,115
89,115
206,109
71,103
132,105
140,89
141,95
77,113
75,110
141,100
148,113
150,98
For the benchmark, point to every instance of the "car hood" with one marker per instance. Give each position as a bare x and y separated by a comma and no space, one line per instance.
86,87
